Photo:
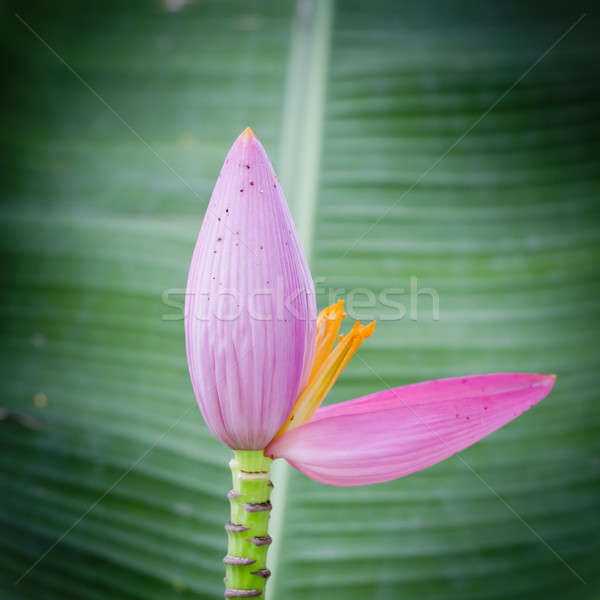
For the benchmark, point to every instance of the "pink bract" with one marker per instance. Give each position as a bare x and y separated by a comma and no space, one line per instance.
398,431
250,304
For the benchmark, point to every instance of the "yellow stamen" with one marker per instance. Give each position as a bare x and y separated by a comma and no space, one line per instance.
328,325
324,376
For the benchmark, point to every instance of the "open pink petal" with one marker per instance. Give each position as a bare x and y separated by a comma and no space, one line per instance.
399,431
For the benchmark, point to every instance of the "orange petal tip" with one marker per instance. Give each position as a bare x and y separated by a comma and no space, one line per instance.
368,329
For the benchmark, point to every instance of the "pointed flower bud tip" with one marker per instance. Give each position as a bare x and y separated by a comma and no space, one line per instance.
247,134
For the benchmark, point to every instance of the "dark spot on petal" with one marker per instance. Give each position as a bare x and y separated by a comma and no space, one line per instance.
252,183
247,166
261,247
226,210
219,239
218,218
242,189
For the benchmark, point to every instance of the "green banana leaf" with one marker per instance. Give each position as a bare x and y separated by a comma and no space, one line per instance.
448,149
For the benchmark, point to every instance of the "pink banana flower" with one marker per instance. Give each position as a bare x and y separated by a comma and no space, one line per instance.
261,363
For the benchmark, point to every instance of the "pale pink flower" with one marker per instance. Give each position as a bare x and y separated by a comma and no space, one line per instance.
261,362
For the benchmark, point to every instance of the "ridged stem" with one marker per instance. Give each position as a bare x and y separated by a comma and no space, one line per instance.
246,570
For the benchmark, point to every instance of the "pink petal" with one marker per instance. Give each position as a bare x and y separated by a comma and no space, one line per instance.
399,431
250,304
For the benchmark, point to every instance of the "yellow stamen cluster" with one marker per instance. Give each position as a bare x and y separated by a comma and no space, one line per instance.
328,363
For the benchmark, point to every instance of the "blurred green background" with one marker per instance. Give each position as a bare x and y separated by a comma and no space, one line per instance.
108,162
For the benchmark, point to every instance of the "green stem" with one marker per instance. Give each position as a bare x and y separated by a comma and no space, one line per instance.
247,531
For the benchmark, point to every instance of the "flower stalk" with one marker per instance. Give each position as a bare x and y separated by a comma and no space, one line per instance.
246,570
